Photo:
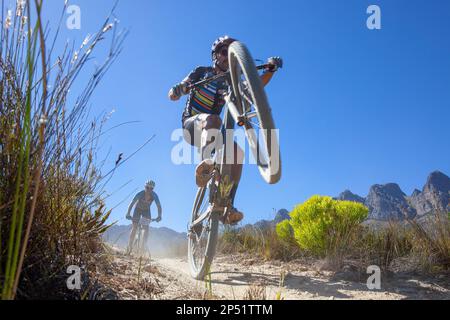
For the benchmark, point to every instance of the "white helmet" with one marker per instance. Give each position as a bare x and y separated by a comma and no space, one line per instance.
150,184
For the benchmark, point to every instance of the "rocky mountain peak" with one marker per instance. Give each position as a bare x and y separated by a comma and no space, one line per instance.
347,195
435,196
391,190
282,215
438,181
388,202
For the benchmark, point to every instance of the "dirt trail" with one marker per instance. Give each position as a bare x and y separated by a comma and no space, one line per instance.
237,281
233,277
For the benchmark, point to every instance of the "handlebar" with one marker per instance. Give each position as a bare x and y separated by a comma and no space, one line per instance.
152,220
205,81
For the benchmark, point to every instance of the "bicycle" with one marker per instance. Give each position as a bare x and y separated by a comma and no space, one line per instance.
138,245
246,106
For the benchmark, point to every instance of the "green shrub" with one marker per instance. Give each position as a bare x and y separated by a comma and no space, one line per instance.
326,227
285,231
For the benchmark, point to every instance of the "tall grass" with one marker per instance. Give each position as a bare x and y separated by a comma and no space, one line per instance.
421,245
381,246
260,242
431,242
51,197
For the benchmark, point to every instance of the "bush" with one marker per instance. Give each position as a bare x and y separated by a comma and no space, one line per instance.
326,227
285,231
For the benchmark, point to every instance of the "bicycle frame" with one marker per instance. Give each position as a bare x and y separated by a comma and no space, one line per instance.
137,241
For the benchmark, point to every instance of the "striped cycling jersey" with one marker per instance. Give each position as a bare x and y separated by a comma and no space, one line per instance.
205,99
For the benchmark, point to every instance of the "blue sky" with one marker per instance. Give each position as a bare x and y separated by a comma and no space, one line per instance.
354,106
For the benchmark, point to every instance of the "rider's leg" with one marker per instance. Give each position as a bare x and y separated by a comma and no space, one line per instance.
209,127
236,216
194,130
236,170
134,230
210,124
237,160
199,131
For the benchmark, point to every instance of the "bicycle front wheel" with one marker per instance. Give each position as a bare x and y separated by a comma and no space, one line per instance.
253,112
134,250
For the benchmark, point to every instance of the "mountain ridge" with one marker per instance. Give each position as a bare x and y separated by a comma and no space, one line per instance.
388,202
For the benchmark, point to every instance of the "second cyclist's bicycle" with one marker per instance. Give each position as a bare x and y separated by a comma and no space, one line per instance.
139,247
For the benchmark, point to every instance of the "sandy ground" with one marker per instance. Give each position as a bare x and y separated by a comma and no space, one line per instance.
237,278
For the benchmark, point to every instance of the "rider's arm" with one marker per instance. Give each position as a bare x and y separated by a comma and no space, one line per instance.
274,64
130,207
266,77
177,91
180,89
158,204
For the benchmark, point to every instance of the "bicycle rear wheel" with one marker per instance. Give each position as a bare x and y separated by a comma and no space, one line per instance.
253,112
203,237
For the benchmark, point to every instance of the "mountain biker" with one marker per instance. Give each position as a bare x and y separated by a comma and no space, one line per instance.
143,200
203,109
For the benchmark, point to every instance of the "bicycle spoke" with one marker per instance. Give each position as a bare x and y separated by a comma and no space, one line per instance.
254,124
251,115
248,99
199,248
203,208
